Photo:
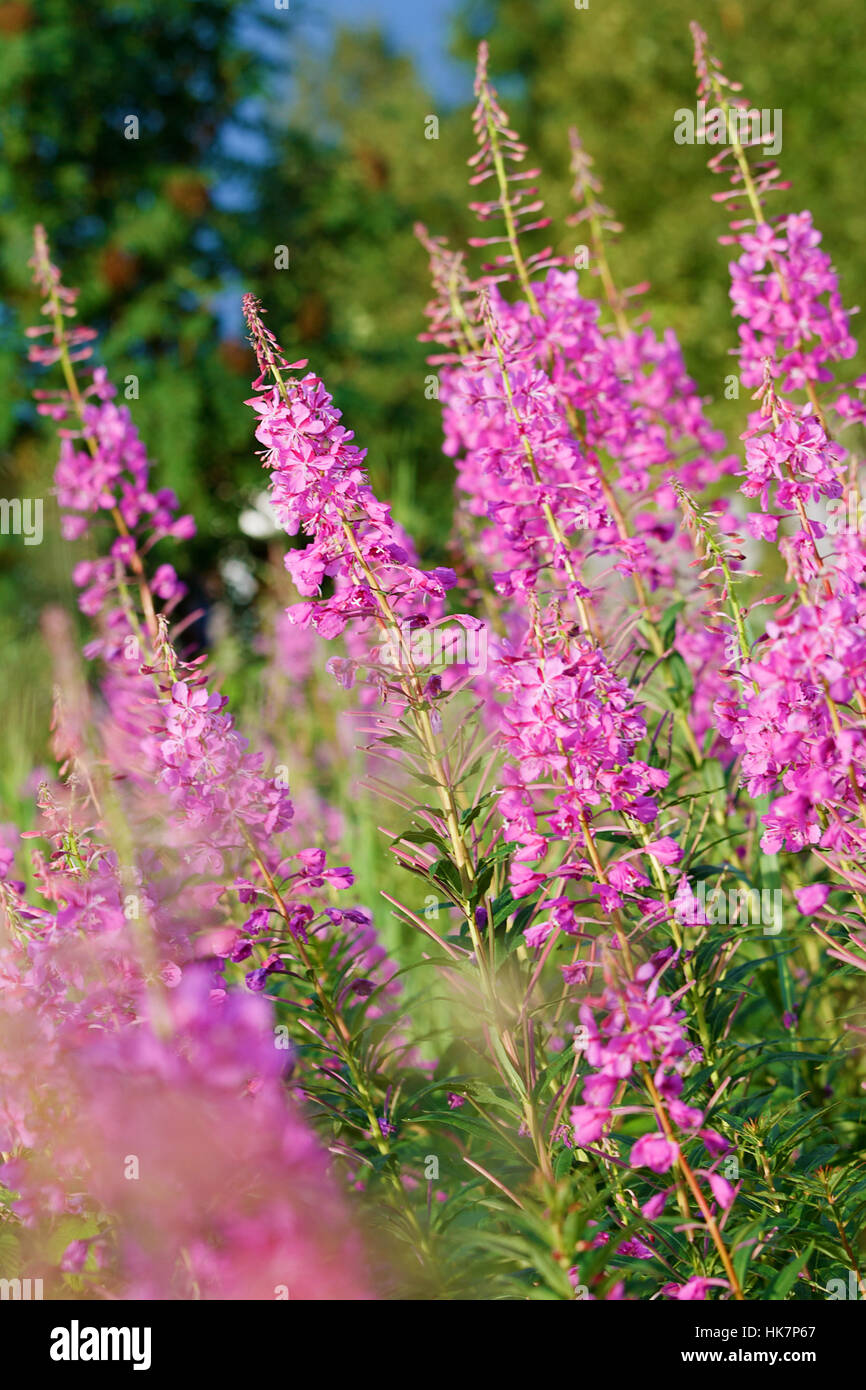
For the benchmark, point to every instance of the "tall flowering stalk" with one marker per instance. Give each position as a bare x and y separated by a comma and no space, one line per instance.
784,288
318,482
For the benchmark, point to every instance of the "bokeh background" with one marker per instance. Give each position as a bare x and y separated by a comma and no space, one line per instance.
304,127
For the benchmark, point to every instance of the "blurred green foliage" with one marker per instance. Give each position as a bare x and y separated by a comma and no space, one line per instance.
131,218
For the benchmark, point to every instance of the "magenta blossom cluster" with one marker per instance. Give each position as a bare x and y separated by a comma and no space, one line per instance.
632,1028
551,415
147,1106
570,722
795,457
786,291
789,732
114,472
209,774
319,486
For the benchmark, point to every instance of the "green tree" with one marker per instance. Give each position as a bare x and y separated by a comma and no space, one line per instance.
112,134
365,153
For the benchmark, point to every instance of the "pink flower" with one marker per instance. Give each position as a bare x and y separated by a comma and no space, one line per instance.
588,1123
655,1206
722,1190
666,850
654,1151
761,526
812,898
694,1289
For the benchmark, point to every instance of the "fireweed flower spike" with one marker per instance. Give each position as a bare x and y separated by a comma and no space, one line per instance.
319,485
318,482
619,406
499,156
786,291
783,286
191,747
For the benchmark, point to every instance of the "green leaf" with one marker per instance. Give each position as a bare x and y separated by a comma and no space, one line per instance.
785,1280
445,871
563,1163
682,686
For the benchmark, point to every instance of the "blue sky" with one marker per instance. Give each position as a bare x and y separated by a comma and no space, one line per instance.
419,27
